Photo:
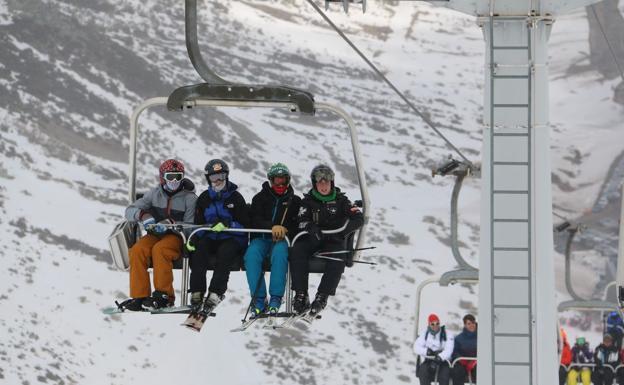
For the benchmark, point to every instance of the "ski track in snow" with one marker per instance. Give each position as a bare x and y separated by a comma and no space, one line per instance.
63,176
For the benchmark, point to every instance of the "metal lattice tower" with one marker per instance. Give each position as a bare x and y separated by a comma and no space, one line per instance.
517,309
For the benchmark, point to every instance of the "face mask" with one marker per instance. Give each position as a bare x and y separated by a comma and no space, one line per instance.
218,188
172,185
279,189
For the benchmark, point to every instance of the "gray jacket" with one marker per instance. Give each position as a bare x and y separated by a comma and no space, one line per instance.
178,207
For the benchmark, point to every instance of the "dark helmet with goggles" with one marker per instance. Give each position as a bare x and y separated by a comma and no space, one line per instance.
216,169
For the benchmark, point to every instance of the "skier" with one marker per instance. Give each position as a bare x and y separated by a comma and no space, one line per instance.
325,207
435,346
275,207
221,206
566,356
465,345
606,358
173,200
580,355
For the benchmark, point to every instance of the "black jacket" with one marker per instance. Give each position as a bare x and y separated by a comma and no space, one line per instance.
268,209
329,215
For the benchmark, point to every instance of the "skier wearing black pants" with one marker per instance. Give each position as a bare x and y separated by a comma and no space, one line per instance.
220,207
325,207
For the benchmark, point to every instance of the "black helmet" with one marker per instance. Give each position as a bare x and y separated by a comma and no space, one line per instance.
322,171
216,166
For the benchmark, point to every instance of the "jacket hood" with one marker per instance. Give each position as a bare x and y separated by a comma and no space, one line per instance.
188,185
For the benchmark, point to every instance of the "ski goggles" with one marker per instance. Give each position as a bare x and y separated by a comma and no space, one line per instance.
280,180
319,175
217,177
171,176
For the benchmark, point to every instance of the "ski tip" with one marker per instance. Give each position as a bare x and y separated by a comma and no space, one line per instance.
196,330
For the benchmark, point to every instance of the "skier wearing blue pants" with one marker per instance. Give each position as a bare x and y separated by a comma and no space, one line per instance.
275,207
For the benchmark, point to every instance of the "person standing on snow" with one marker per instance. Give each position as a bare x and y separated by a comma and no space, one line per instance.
465,345
172,201
324,207
220,207
275,207
435,346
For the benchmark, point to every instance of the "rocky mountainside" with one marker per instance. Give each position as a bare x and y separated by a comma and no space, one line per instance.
72,72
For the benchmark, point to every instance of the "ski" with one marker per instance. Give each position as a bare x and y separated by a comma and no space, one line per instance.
290,321
172,310
116,310
120,308
272,320
246,324
196,319
309,317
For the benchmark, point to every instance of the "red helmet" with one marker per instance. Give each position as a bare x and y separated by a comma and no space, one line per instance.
170,165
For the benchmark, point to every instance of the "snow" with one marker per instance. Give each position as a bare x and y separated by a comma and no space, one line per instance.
5,15
59,201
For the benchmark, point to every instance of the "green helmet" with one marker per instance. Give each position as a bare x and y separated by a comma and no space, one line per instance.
278,169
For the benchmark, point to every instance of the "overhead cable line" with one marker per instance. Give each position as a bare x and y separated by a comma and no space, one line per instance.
385,79
607,40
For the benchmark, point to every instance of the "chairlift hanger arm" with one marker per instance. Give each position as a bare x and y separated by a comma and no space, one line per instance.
217,88
192,45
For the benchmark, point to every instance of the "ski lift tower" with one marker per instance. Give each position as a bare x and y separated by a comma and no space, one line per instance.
517,310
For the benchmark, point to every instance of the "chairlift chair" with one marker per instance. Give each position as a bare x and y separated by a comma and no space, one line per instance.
466,273
217,92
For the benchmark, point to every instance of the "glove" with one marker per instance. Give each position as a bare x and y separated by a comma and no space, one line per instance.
160,227
148,223
314,230
189,246
219,227
279,232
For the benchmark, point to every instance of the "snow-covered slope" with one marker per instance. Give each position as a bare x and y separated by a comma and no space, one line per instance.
71,73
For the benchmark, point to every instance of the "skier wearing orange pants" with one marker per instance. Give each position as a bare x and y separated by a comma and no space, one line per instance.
172,201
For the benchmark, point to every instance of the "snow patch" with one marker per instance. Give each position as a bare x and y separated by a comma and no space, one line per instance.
5,15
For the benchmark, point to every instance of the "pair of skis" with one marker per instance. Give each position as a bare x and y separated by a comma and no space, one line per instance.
271,320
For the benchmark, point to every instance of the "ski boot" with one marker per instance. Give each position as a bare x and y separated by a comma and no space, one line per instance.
319,303
301,303
274,304
211,301
197,298
158,300
258,306
132,304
